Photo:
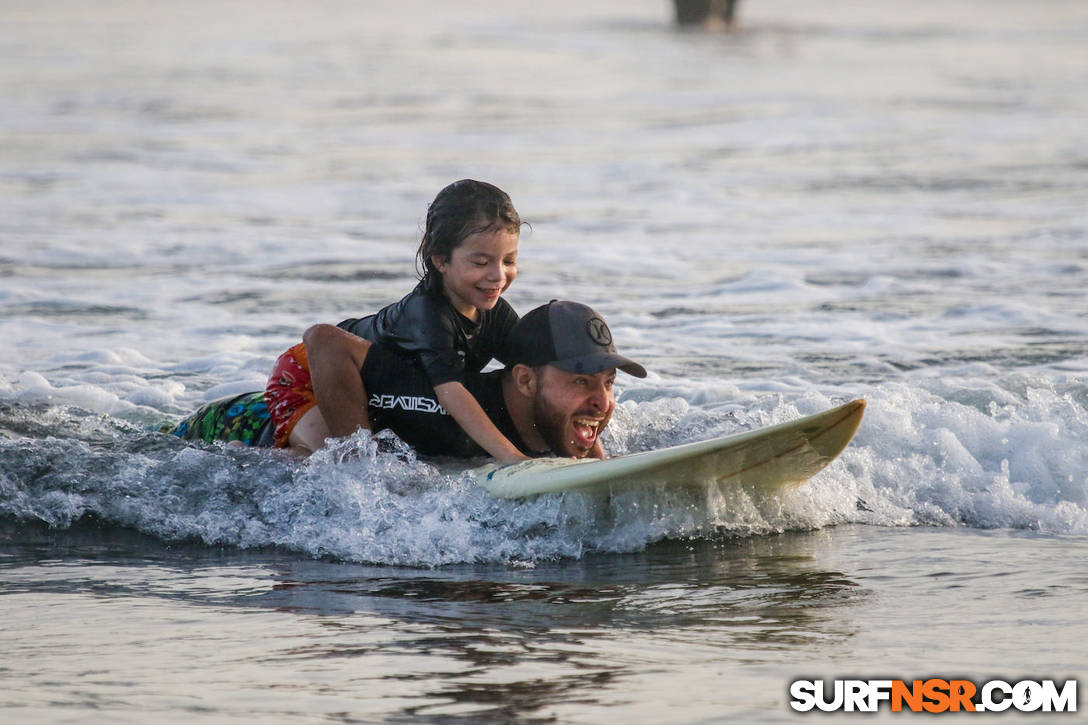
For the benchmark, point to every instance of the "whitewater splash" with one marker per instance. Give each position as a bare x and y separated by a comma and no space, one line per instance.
767,242
988,455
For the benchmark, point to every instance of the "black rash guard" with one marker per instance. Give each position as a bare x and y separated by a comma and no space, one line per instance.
400,397
487,389
447,343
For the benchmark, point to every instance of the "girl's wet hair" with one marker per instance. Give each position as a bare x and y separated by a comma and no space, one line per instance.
463,208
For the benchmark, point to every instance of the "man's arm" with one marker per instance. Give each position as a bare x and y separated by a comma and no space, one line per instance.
336,358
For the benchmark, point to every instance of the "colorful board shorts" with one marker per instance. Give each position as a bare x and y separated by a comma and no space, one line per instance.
399,394
289,393
242,418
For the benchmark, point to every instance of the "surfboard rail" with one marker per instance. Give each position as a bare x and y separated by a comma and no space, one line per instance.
765,460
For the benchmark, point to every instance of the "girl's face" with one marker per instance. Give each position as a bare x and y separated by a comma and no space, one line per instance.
479,270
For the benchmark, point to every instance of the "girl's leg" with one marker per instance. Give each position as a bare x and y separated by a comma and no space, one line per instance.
336,359
309,433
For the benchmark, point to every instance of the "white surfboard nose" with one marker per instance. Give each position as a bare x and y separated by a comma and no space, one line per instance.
764,461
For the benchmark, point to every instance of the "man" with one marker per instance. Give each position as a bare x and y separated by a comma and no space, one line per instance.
554,396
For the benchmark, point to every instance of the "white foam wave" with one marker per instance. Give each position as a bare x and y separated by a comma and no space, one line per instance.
1007,455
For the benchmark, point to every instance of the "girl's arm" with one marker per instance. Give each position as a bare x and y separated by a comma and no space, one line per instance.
466,410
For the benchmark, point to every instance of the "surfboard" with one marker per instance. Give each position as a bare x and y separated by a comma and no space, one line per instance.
765,461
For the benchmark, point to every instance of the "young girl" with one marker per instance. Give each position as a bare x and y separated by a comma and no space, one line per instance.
452,323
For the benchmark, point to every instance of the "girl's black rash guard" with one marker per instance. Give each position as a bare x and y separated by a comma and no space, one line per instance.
448,343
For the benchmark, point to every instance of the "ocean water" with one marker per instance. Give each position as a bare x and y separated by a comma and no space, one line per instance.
835,200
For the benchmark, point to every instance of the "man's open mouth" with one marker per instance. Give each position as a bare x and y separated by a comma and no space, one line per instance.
585,431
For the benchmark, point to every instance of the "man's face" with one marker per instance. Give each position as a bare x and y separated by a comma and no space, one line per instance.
570,410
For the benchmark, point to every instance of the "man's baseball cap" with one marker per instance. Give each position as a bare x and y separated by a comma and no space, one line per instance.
570,336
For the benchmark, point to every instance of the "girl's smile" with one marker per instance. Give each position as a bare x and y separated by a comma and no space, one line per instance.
479,270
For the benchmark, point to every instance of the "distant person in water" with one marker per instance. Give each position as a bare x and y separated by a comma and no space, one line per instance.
554,397
453,323
709,14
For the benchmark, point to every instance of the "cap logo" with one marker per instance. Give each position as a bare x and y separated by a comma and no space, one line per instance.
598,331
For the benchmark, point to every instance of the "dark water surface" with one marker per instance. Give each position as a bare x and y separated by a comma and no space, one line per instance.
109,625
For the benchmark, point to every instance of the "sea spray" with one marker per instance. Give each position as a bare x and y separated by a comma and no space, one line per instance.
918,459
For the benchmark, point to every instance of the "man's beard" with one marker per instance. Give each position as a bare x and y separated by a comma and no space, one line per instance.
551,424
